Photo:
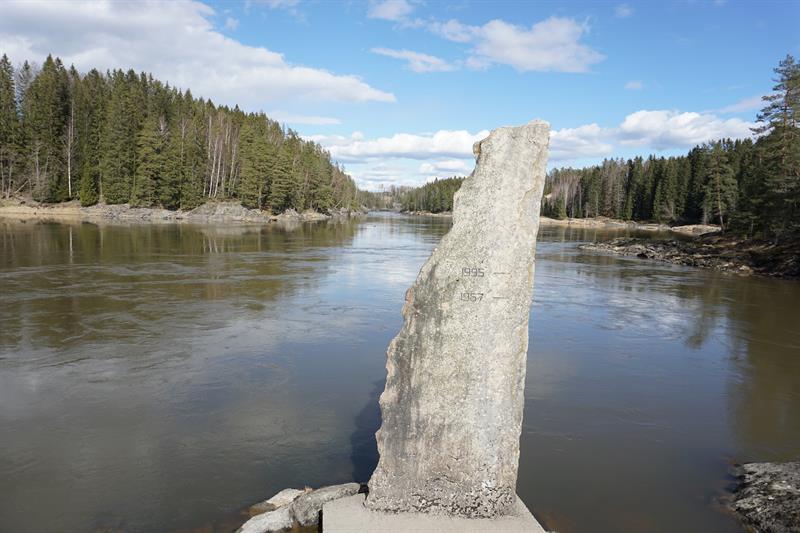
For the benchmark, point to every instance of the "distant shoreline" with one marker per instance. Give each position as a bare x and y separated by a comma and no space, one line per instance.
209,213
602,223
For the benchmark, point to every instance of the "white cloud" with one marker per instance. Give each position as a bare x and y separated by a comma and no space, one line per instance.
394,10
231,23
293,118
418,62
417,157
623,11
582,142
746,104
550,45
453,30
274,4
634,85
671,129
448,167
177,42
443,143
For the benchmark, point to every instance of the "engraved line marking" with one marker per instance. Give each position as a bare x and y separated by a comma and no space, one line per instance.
500,297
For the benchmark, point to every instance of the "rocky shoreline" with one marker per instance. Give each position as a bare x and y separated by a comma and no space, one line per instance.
601,223
209,213
717,252
767,498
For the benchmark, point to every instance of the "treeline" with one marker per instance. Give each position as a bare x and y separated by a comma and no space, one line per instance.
123,137
752,187
434,197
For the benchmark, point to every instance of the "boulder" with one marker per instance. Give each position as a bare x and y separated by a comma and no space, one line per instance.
284,497
270,522
306,508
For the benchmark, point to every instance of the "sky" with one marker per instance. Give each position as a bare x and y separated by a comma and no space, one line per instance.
399,90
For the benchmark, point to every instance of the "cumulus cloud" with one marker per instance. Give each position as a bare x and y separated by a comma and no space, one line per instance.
746,104
672,129
634,85
623,11
447,167
418,157
441,144
553,44
394,10
582,142
416,61
176,41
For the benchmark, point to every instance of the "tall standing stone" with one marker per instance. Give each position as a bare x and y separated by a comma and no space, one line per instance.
452,407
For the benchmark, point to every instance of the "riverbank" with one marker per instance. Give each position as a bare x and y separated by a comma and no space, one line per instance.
726,253
603,223
767,497
209,213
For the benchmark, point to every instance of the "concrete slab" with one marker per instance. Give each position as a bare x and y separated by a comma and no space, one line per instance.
349,515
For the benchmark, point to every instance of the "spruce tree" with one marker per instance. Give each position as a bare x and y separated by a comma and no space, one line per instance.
720,188
117,161
150,147
9,125
46,109
282,182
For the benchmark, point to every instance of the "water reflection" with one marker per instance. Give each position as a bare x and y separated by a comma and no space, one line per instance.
161,378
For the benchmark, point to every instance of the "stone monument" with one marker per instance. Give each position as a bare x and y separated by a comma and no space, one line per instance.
452,406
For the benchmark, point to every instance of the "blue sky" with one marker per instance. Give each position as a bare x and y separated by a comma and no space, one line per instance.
399,90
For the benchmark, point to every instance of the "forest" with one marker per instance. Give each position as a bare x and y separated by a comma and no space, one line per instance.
750,186
122,137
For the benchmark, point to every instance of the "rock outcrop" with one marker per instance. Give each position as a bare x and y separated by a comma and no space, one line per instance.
768,499
452,407
292,507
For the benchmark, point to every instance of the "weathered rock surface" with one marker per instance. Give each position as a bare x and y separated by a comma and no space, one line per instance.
306,508
292,506
277,520
210,213
452,407
284,497
768,500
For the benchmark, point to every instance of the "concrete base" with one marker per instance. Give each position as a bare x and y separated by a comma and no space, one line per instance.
349,515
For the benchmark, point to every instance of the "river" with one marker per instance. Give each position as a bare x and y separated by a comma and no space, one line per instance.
161,378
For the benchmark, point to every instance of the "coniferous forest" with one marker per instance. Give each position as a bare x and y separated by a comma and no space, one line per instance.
122,137
750,186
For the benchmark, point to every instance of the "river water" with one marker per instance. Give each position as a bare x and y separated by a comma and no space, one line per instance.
161,378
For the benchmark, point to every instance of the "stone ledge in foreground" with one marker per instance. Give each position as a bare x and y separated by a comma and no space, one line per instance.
349,514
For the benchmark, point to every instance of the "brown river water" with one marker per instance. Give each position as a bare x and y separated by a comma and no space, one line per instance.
161,378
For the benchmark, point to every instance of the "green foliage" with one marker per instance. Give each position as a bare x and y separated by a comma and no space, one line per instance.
124,137
151,144
88,193
434,197
721,188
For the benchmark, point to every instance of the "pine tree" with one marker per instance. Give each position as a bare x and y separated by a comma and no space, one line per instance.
780,148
